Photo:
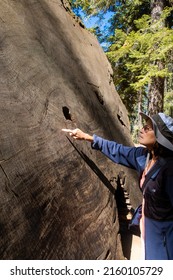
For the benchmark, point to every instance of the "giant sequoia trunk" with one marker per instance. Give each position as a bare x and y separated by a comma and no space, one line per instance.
57,196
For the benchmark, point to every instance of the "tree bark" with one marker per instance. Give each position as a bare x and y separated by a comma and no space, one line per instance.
57,195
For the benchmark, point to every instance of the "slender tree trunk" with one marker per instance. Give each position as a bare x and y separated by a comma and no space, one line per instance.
156,90
139,108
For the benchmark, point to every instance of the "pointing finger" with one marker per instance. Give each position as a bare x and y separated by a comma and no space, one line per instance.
67,130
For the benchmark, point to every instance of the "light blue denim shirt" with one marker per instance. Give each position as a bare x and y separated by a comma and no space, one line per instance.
133,157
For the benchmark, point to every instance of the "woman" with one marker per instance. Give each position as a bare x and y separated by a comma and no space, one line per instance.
156,136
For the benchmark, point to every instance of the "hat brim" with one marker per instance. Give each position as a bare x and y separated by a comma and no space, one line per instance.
145,117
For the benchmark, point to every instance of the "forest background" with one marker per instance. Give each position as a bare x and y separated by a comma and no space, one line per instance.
137,37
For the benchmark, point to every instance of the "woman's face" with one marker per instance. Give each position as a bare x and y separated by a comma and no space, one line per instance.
147,136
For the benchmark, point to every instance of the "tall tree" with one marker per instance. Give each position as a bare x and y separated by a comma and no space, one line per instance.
141,53
156,87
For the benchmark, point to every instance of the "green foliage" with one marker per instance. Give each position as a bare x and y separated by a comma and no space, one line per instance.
92,7
138,52
168,103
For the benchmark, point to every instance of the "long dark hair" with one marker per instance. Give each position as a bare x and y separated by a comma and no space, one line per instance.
161,151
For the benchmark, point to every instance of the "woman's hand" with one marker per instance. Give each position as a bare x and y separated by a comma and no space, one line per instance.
78,134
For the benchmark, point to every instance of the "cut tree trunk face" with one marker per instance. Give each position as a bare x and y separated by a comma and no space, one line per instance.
57,197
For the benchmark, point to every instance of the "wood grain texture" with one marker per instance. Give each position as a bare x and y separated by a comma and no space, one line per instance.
56,198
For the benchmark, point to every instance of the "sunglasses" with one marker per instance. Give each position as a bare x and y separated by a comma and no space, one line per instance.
147,128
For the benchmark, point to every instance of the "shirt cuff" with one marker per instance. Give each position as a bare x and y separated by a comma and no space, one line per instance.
97,142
